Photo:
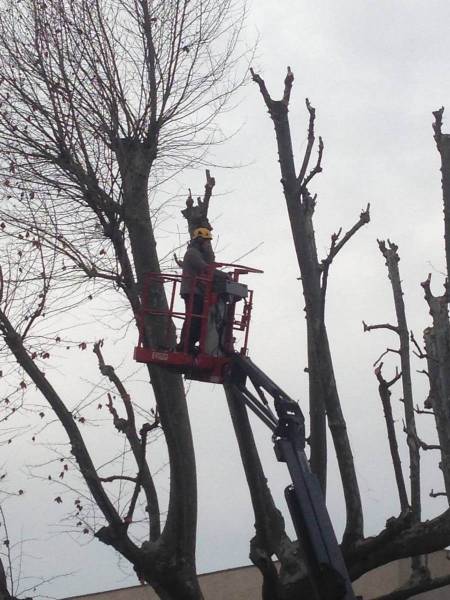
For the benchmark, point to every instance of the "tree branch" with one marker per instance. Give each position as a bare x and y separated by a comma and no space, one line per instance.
384,354
210,183
336,246
309,147
138,446
392,258
419,442
437,126
393,328
112,478
78,448
434,494
288,81
437,339
263,89
419,352
385,396
317,168
364,218
197,216
408,591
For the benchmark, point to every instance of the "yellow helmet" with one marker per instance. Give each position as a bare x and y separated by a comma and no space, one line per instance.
202,232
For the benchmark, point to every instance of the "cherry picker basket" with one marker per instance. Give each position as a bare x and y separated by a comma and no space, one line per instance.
227,306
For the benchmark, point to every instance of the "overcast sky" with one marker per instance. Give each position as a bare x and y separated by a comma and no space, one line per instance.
374,70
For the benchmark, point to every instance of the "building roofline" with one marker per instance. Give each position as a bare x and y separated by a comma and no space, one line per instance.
132,587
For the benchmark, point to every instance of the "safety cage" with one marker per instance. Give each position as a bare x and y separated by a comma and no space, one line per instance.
227,307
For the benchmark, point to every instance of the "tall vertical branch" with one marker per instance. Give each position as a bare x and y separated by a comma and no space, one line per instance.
150,60
443,145
392,258
437,338
390,253
323,390
437,345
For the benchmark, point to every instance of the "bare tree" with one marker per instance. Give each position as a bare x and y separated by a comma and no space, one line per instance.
406,535
314,275
99,100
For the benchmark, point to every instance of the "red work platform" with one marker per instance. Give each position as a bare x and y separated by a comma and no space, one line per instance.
218,322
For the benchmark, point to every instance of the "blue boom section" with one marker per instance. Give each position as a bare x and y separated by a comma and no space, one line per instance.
326,567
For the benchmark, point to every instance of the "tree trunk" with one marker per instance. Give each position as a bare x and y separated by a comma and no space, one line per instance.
270,538
317,419
179,533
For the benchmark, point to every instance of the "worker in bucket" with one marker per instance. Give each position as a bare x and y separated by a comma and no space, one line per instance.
198,256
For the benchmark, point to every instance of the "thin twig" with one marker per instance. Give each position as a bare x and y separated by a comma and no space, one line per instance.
318,166
262,88
384,354
336,246
309,147
419,353
434,494
112,478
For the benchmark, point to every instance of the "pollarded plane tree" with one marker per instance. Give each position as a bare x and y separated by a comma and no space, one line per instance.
100,100
405,535
435,353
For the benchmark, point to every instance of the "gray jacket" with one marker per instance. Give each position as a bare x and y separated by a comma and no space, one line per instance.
194,264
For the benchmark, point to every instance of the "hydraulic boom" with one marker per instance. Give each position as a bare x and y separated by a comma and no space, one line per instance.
327,570
215,360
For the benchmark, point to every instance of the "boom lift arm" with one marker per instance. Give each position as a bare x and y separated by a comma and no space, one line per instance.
218,362
326,567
